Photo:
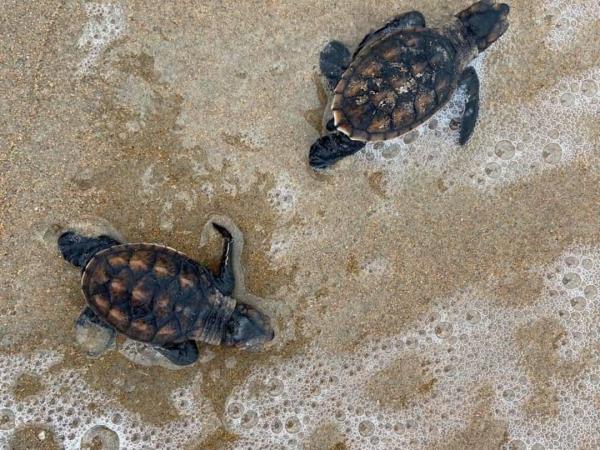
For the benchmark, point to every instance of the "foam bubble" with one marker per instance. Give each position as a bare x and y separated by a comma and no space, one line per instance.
505,149
293,425
552,153
7,419
100,435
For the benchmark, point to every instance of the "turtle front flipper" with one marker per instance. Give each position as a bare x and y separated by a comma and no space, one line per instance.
180,354
470,82
333,61
79,250
92,334
411,19
329,149
225,280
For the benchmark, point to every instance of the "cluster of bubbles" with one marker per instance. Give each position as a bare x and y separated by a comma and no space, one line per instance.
573,286
463,347
540,144
78,414
567,18
106,22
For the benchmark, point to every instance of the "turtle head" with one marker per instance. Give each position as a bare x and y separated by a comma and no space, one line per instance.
247,328
485,22
78,249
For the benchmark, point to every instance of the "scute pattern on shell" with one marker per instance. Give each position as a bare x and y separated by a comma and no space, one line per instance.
394,84
149,292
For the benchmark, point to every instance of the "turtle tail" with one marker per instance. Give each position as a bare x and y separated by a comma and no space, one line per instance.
78,250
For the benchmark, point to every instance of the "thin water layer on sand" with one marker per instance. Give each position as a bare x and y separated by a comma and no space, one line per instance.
425,295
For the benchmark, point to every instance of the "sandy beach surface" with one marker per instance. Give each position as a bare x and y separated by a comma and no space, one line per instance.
424,295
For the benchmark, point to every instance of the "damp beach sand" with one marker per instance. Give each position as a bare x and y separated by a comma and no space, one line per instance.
425,295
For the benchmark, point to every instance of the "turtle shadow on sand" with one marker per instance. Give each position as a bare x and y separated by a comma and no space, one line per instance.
162,300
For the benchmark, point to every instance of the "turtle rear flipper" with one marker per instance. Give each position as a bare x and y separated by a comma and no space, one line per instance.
225,280
78,249
181,354
411,19
333,61
470,82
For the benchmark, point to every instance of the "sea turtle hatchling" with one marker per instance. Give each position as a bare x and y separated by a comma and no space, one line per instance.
400,75
154,294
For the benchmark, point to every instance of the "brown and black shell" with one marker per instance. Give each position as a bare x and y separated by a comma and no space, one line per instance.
155,294
395,83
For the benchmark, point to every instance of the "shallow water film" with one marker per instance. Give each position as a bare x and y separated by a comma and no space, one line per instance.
424,295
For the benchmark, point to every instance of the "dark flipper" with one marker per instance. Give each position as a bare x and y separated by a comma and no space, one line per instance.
411,19
332,147
92,334
181,354
225,280
333,61
470,82
78,250
330,125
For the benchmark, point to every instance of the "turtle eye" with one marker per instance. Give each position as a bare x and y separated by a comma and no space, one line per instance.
230,328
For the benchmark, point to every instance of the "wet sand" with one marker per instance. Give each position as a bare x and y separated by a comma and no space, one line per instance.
156,118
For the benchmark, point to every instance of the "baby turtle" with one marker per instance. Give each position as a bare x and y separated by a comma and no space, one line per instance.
154,294
400,75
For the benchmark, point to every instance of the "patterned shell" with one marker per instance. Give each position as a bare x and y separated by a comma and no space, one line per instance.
394,84
155,294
